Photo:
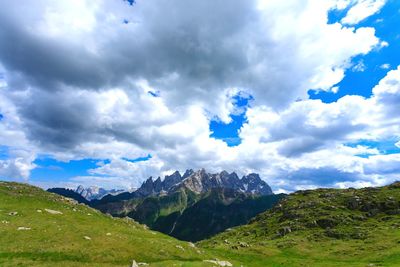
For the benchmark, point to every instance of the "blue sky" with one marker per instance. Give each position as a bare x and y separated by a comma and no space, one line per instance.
121,99
361,82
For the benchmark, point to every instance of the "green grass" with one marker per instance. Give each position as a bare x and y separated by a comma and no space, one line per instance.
365,233
59,239
327,228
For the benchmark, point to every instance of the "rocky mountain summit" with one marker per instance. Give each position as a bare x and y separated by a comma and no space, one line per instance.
94,192
195,205
201,181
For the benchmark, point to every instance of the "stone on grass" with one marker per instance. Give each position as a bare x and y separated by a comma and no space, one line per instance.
53,211
23,228
220,263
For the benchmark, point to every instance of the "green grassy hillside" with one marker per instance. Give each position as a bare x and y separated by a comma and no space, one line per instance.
324,227
38,228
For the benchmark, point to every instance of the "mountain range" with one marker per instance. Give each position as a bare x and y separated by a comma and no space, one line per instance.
95,192
85,194
196,181
220,201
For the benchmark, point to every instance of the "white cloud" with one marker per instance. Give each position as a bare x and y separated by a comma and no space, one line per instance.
89,98
18,166
359,67
361,10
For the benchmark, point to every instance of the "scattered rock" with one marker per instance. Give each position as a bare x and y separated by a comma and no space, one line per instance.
137,264
373,212
87,238
180,247
40,211
192,245
358,217
13,213
327,223
23,228
333,234
226,241
354,203
393,212
53,211
243,244
108,234
311,224
219,263
5,222
284,231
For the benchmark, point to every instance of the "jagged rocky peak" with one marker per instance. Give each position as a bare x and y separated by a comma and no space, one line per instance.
201,181
197,182
171,180
80,189
158,185
147,188
253,183
187,173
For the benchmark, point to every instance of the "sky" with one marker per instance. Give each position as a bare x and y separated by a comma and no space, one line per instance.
109,92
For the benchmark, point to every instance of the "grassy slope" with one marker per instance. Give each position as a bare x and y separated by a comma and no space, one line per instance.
58,239
324,227
327,228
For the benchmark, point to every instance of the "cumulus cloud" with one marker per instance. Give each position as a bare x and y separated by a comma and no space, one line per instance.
18,166
77,86
362,9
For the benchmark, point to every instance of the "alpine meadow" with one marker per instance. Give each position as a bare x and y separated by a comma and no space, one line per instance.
246,133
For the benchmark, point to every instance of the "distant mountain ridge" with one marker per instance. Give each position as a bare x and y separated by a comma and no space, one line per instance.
192,206
69,193
94,192
196,181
